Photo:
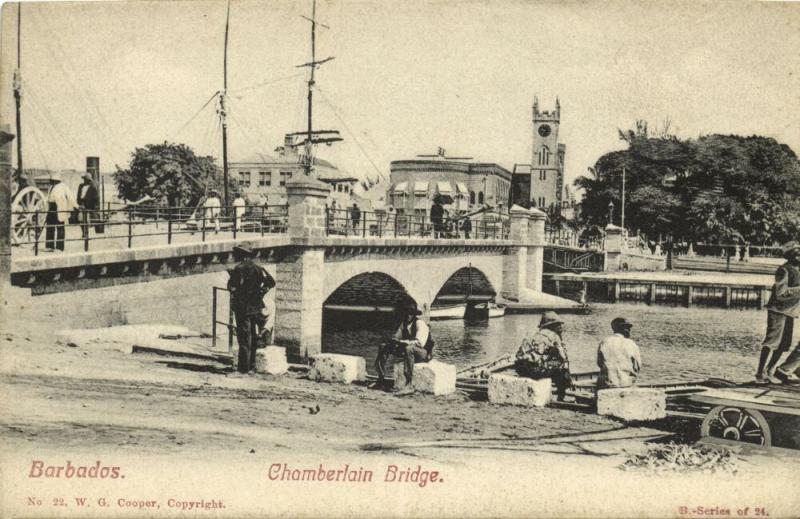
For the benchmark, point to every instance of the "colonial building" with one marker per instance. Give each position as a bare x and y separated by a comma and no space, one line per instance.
262,178
540,184
414,183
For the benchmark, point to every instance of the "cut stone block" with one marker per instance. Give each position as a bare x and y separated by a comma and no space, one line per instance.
333,367
632,403
271,360
434,377
514,390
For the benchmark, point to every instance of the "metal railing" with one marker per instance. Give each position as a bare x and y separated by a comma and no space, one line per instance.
382,224
127,226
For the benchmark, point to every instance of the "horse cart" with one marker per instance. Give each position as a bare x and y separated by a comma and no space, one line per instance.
28,208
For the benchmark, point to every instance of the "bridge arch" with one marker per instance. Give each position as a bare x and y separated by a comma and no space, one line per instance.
373,289
466,282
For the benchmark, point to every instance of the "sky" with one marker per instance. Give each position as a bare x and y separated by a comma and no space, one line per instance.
102,78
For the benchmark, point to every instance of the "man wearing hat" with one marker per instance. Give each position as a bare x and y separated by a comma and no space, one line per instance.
247,284
542,354
783,308
60,203
212,209
412,342
618,357
88,202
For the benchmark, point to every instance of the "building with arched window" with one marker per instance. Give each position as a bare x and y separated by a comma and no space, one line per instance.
540,184
414,183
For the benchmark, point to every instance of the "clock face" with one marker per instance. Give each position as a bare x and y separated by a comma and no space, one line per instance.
544,130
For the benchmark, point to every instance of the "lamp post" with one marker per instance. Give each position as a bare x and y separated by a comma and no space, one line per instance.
611,212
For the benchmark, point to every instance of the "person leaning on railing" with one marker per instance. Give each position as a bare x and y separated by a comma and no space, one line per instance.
88,202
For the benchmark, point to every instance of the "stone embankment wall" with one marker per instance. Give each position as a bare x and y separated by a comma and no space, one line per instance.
184,301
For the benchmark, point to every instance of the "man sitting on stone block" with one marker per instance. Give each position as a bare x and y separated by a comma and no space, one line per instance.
542,355
618,357
412,342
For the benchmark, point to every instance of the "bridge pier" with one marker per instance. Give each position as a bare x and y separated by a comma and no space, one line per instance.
536,238
515,261
299,277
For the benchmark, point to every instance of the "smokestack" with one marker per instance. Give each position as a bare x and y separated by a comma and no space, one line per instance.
93,168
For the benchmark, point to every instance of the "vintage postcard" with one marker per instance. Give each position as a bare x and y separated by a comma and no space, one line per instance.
361,258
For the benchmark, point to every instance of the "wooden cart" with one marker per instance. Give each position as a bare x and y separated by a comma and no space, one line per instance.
766,416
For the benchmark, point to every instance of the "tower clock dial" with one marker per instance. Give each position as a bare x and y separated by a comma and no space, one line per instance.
544,130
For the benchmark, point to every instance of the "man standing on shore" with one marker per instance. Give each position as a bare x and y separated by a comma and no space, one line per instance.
618,357
782,309
247,285
543,355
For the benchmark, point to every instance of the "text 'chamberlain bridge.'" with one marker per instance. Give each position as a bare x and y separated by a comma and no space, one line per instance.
318,258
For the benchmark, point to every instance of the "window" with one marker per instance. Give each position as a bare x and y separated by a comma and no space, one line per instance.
265,178
244,179
544,156
480,197
542,174
285,175
472,197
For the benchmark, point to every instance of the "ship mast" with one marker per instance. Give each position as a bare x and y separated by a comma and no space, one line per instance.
223,113
18,91
328,136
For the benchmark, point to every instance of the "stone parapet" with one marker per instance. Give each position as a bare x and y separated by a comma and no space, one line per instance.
522,391
306,199
333,367
434,377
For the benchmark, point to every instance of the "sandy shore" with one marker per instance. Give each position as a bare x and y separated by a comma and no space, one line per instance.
187,428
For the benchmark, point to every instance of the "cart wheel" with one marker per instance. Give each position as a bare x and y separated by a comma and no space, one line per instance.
23,220
736,425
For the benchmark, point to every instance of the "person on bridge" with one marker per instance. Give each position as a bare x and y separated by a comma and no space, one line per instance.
239,208
355,217
60,203
543,354
88,203
212,207
618,357
247,284
783,308
437,217
412,342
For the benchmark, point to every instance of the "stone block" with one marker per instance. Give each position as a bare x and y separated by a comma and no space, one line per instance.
514,390
434,377
271,360
333,367
632,403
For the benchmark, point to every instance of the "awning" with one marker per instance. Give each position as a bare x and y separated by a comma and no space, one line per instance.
401,188
420,188
462,188
444,187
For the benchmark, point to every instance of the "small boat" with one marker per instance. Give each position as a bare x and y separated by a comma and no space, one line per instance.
442,312
492,309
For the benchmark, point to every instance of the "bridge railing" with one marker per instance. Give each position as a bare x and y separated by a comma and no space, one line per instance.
389,224
129,226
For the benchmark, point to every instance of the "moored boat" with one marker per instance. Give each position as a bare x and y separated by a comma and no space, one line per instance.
442,312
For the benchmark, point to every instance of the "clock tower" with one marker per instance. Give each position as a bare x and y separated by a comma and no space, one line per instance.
547,158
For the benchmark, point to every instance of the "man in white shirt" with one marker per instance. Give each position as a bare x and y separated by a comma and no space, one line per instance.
412,341
212,209
239,208
60,202
618,357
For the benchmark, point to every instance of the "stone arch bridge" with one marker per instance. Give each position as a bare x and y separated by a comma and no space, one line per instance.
313,270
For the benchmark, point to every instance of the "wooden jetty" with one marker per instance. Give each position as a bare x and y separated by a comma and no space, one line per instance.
724,291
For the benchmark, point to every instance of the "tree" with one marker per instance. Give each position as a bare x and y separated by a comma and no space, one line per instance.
169,173
716,188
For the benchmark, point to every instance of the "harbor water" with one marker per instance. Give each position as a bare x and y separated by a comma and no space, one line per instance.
677,344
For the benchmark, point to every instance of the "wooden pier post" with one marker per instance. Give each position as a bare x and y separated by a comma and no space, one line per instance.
652,298
558,288
761,298
728,293
616,291
689,295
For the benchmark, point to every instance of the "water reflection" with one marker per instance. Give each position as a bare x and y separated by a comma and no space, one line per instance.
677,343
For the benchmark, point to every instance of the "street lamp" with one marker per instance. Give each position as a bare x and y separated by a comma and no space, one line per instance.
611,212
